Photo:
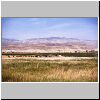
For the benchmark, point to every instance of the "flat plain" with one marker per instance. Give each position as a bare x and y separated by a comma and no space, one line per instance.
49,69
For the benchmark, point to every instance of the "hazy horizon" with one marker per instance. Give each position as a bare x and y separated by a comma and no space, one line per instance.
50,37
27,28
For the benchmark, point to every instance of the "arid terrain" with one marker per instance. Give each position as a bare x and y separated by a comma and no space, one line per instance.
49,60
29,70
52,44
23,67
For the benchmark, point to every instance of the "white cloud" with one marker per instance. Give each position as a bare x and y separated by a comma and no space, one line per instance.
57,26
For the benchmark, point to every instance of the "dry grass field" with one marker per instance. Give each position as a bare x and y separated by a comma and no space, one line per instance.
37,70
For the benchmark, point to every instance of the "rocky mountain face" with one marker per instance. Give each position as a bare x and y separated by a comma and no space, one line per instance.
51,44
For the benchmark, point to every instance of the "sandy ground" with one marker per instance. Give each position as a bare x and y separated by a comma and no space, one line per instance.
49,58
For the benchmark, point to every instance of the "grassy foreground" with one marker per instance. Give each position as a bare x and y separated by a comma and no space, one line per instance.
28,70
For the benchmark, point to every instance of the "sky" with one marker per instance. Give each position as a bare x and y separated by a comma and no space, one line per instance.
26,28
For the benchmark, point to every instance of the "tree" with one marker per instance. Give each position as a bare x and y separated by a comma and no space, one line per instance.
86,51
9,56
75,51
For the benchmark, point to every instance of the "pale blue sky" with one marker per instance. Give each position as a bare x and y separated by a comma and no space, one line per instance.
26,28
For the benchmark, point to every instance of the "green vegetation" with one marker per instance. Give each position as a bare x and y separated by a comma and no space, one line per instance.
66,54
28,70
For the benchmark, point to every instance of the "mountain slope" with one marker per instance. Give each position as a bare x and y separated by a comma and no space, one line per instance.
52,44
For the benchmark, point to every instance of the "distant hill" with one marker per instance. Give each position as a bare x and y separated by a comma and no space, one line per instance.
51,44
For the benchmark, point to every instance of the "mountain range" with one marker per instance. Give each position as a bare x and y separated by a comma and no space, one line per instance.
50,44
